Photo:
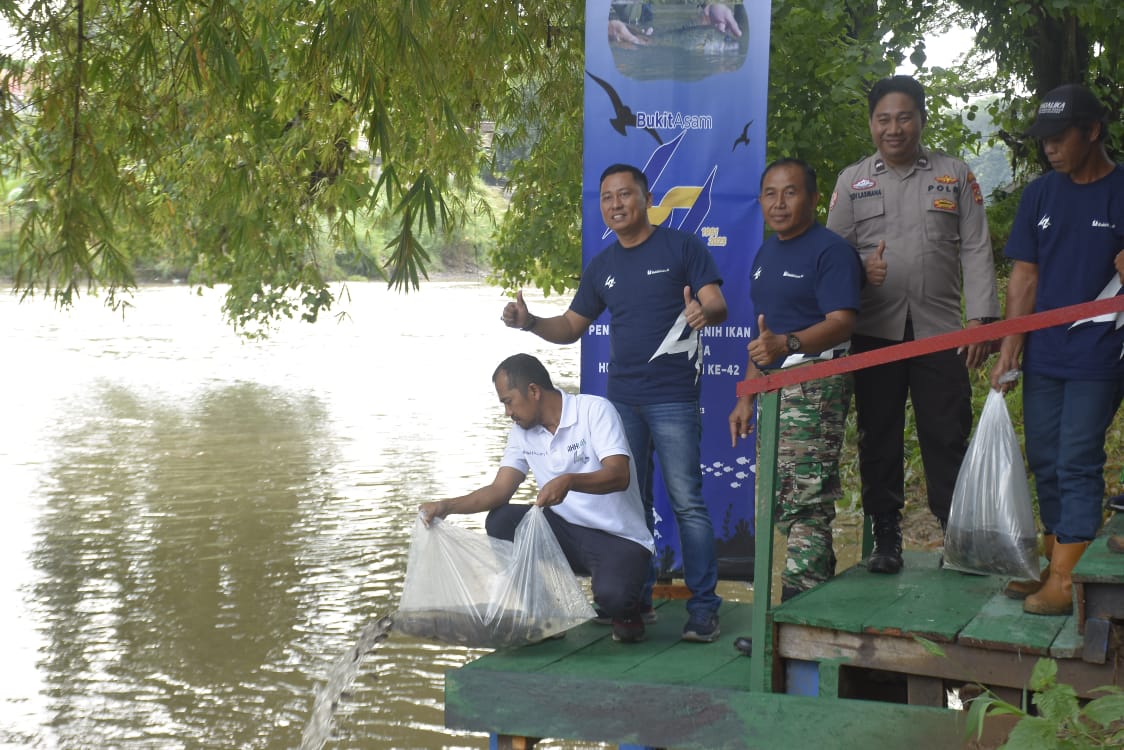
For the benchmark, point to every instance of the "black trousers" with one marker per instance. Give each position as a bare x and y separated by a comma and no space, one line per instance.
938,387
617,567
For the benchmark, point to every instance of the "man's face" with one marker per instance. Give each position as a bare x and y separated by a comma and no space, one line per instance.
521,409
895,128
788,208
1071,149
624,204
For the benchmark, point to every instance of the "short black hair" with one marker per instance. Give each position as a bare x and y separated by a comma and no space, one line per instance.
523,370
805,167
636,173
899,84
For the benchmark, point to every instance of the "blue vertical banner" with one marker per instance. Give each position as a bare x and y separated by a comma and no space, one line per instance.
681,92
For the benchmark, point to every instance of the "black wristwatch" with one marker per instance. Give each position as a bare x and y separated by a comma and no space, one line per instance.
793,343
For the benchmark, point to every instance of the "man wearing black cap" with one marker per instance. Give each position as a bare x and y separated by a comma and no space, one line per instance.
1067,243
916,216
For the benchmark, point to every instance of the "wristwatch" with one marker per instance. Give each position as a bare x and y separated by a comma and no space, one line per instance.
793,343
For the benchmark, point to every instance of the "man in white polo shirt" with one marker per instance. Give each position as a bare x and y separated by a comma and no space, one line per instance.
577,449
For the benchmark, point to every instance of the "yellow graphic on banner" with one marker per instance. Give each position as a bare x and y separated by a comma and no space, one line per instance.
678,197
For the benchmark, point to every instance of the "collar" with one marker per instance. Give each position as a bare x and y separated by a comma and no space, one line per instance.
924,161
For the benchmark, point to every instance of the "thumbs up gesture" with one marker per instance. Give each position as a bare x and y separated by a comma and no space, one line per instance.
515,314
876,266
767,346
696,316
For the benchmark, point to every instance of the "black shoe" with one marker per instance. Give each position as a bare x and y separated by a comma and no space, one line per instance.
744,644
628,631
887,554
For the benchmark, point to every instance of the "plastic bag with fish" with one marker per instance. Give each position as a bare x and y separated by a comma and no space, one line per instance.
991,525
469,589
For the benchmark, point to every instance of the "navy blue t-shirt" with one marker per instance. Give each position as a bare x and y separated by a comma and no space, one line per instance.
1073,232
796,282
654,356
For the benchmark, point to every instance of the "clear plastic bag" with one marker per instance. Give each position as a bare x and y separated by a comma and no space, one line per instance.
469,589
991,525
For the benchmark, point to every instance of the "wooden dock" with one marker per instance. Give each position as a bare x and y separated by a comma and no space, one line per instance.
872,657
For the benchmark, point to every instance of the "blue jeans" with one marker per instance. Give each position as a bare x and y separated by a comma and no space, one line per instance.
1065,422
673,432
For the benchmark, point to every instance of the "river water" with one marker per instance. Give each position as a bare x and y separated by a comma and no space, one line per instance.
197,526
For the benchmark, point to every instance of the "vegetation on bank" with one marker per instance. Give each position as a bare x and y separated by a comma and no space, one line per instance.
251,142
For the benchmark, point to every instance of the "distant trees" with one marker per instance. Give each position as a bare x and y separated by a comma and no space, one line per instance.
242,138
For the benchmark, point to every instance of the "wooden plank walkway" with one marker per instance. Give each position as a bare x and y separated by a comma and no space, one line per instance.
933,628
665,692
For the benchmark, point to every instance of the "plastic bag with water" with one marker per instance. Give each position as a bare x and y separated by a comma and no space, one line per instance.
991,525
469,589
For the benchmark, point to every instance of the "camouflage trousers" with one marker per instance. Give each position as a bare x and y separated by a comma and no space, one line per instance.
812,417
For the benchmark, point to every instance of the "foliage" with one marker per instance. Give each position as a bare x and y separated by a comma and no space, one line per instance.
255,142
1061,721
241,139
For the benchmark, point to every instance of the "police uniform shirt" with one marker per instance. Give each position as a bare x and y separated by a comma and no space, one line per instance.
932,219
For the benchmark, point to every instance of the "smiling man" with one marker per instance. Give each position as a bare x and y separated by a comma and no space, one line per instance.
805,287
1067,243
660,286
917,218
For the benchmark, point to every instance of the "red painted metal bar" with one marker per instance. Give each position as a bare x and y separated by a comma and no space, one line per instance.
956,339
761,675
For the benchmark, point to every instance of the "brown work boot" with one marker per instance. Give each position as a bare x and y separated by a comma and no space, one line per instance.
1116,543
1056,595
1023,589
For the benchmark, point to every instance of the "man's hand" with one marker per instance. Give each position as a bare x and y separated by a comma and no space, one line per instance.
767,346
876,266
1120,265
555,491
435,509
722,18
696,316
515,314
1008,361
977,354
741,418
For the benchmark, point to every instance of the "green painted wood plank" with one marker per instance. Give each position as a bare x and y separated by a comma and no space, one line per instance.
1068,644
935,603
1002,624
843,603
921,600
734,675
537,656
1099,564
686,718
693,663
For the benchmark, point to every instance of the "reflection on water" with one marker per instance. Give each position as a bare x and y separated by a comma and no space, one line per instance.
199,526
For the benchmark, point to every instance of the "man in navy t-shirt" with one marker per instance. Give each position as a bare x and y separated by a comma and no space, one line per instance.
660,286
1067,243
805,287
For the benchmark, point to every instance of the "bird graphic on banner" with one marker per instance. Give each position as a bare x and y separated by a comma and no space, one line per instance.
623,116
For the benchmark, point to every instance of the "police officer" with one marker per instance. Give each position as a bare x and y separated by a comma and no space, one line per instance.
917,218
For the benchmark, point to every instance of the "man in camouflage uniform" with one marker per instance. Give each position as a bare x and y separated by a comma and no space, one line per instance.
805,282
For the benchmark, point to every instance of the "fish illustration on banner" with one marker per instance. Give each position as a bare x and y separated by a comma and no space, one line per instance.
681,92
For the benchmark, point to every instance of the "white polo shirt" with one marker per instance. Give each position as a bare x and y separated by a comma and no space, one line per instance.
589,430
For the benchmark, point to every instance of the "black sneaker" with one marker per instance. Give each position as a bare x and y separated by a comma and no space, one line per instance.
649,617
701,628
628,631
887,554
